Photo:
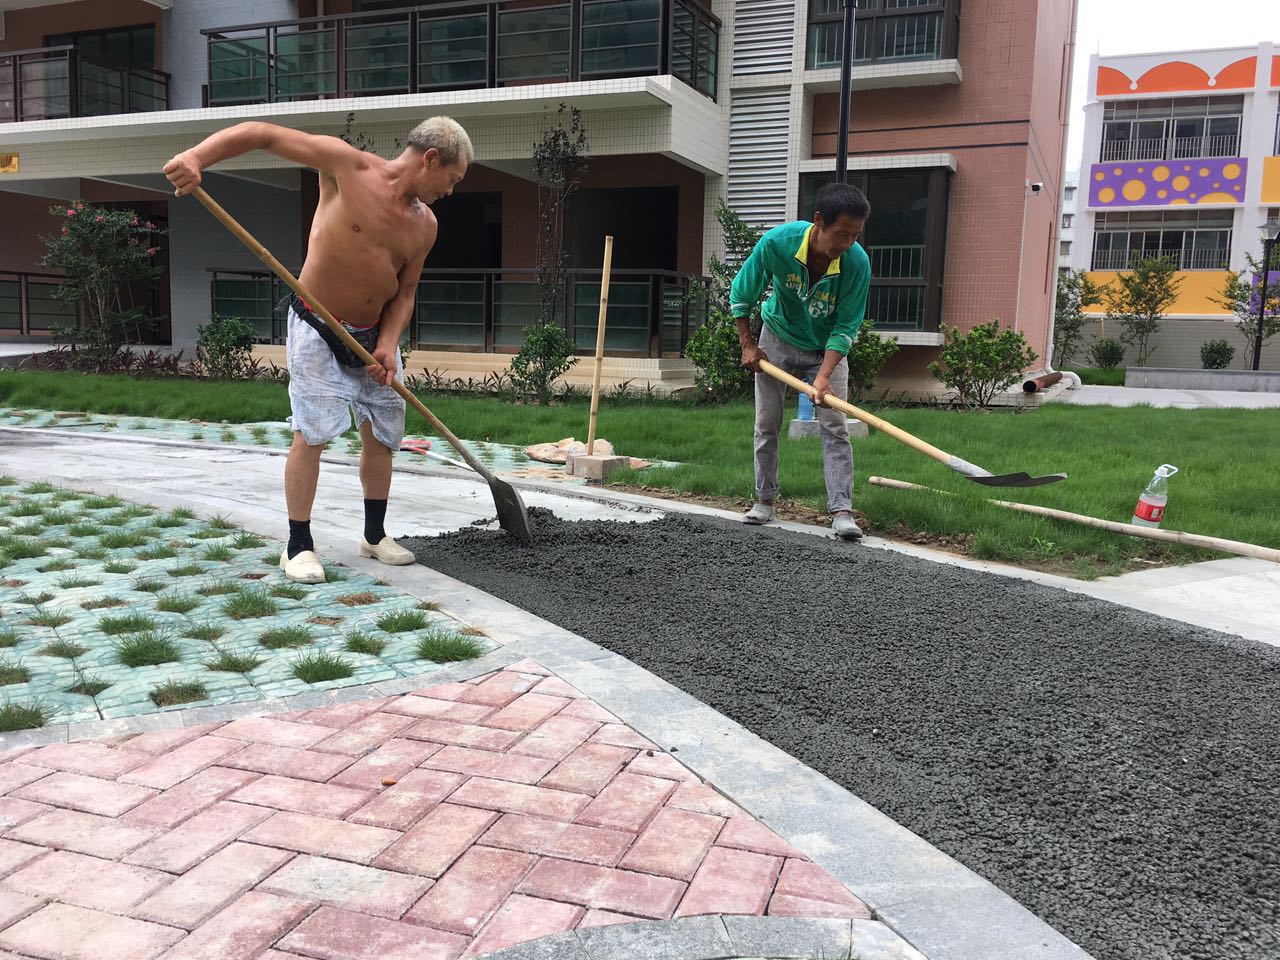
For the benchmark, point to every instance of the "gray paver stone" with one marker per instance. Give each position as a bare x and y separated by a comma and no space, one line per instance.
872,940
800,937
558,946
690,938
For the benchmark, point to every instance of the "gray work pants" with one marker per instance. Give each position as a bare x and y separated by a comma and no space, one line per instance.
837,455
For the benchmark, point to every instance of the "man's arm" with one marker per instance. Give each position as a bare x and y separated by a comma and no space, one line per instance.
329,155
744,294
397,313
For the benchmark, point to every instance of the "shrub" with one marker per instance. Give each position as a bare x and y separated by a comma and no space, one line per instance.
1075,292
1106,353
545,356
1139,298
224,345
981,363
1216,354
868,355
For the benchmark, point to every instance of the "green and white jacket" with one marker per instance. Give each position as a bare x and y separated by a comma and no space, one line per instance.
824,316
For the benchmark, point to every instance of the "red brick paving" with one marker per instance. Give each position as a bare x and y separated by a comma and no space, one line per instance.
445,823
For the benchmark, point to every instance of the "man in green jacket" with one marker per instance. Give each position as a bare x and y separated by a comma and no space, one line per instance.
820,277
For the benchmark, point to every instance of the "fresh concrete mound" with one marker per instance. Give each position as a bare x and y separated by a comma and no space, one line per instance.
1116,772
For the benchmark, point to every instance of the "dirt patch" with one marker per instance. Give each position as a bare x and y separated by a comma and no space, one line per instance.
325,621
358,599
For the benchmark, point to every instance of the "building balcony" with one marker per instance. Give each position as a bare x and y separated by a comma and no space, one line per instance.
652,313
1190,259
1170,148
51,83
460,46
886,33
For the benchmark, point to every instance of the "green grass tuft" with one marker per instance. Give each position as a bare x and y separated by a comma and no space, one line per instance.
233,662
217,551
134,510
66,496
62,648
289,591
219,589
157,551
34,600
91,553
21,716
13,673
53,566
445,646
221,523
9,637
102,603
31,530
119,566
430,606
333,574
40,487
285,637
186,570
85,530
89,686
26,508
249,604
183,513
102,503
147,650
402,621
24,549
75,583
319,667
128,623
166,521
119,539
361,642
58,518
205,631
177,603
174,692
247,541
149,585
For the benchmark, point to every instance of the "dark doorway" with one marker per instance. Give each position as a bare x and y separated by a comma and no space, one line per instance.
642,220
470,232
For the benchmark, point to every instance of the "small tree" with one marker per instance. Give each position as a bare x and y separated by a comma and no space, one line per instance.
1240,295
979,364
102,253
868,355
224,346
1107,353
1139,298
559,162
1075,292
714,347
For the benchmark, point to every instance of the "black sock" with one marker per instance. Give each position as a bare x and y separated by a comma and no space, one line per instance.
300,537
375,511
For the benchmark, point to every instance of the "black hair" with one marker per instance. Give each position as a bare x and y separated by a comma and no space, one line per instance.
837,198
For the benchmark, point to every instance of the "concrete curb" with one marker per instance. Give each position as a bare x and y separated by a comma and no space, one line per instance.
720,938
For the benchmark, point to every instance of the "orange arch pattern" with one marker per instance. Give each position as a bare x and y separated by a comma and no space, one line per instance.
1178,75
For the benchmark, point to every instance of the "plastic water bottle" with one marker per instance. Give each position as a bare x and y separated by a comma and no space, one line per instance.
805,410
1152,500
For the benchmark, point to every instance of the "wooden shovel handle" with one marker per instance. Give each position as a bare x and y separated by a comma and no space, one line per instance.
265,255
835,403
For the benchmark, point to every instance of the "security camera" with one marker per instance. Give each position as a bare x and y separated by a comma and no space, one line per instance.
1037,187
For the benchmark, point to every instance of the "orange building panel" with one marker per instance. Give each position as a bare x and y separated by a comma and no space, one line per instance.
1197,290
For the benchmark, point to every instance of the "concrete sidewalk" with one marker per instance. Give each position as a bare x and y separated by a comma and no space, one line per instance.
1095,396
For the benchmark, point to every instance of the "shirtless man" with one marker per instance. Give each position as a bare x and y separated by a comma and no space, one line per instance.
372,231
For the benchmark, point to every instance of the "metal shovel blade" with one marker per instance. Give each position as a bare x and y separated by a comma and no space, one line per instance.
512,515
1019,480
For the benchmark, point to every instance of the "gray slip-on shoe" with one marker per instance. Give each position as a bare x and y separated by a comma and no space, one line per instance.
846,528
758,514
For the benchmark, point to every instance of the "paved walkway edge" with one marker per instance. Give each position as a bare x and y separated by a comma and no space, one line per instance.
939,906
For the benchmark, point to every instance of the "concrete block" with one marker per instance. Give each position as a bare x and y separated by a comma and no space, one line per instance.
805,429
781,937
594,466
1180,379
688,938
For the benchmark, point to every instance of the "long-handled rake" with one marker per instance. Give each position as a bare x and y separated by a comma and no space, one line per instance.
512,515
963,467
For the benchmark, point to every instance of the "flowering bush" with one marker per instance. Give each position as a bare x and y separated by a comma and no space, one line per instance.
105,255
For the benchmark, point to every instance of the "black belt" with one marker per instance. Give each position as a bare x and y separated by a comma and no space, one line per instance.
367,337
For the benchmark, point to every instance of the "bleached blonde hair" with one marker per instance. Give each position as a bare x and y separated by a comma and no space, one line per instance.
446,136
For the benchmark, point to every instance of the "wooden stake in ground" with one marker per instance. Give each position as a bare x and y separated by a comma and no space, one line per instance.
1131,529
595,380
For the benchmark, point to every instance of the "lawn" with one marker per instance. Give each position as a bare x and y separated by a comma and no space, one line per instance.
1100,376
1227,486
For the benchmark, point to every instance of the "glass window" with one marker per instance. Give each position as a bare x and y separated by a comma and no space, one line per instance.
128,46
620,36
1067,220
533,44
453,51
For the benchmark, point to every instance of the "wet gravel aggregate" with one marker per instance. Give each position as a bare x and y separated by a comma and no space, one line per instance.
1115,772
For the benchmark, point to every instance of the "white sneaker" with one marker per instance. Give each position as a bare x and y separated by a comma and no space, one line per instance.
388,551
846,528
758,514
305,567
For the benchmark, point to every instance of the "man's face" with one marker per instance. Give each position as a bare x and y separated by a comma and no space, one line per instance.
438,177
833,239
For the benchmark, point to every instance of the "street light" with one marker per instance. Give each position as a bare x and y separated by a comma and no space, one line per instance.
846,90
1270,233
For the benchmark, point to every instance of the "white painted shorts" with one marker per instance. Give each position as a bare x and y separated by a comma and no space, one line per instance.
325,395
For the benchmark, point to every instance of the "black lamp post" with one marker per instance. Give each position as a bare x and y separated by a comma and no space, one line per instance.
1270,233
846,92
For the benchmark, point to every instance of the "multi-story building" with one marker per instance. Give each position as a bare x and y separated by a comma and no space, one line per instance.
957,127
1181,160
1067,227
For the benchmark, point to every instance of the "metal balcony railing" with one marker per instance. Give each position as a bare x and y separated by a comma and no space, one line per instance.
50,83
1203,259
1170,148
897,262
887,31
455,46
28,306
652,313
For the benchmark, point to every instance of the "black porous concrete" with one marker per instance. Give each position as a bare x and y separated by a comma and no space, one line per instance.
1117,773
